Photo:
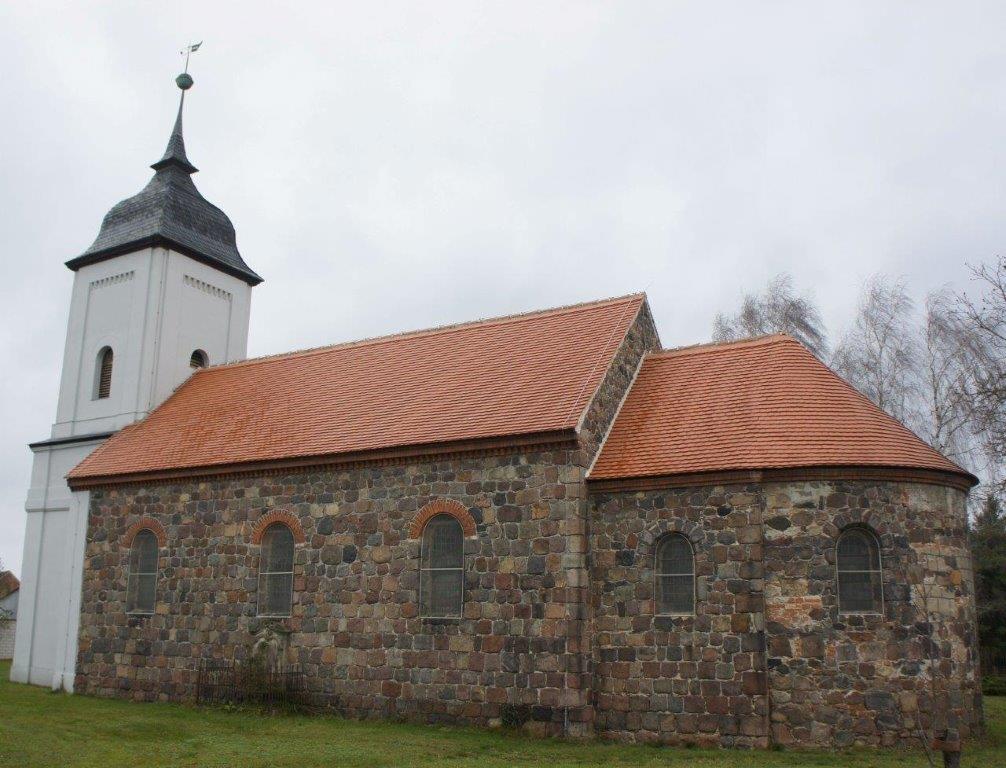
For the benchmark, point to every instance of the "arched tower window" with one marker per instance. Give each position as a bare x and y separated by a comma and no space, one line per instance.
674,571
275,575
141,583
442,568
860,583
198,359
103,374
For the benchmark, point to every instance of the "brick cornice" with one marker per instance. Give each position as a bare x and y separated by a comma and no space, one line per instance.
962,481
145,524
496,446
278,516
455,509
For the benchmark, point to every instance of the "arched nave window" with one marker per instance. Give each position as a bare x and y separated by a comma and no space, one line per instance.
275,576
674,571
141,583
442,568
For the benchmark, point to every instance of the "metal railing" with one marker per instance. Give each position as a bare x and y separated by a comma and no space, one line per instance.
251,682
993,661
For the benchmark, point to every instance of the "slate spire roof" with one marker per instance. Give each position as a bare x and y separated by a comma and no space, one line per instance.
174,153
170,212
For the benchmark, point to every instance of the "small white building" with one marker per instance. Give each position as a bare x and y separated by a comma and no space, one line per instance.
9,593
161,291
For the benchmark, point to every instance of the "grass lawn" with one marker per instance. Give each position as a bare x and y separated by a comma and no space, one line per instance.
39,728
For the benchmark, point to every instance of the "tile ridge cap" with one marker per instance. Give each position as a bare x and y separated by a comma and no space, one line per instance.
714,346
432,331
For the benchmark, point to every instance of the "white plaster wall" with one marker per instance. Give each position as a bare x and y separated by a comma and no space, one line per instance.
45,647
153,307
202,309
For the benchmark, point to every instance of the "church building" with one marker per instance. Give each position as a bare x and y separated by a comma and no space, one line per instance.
544,519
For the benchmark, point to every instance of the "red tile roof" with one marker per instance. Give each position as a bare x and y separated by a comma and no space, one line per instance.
764,403
8,583
511,376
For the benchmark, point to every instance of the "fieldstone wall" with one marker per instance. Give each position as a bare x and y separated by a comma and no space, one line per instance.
355,626
681,679
768,658
839,680
640,338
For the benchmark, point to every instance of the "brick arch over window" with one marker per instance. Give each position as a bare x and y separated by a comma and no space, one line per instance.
847,522
648,539
145,524
278,516
864,520
455,509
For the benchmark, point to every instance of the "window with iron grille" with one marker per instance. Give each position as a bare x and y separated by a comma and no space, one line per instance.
860,582
141,583
103,379
442,568
198,359
675,576
275,576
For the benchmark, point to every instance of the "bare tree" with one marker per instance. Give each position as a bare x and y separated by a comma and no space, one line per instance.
986,318
945,412
944,377
877,355
778,309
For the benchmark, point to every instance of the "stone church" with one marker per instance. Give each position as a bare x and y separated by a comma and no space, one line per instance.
546,514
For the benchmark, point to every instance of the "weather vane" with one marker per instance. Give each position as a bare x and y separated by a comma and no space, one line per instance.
184,80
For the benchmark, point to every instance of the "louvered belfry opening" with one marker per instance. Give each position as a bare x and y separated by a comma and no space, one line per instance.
104,387
198,359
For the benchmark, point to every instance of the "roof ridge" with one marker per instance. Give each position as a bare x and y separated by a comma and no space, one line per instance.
500,320
711,346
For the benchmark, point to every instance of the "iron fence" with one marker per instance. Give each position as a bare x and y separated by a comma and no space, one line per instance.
993,661
250,682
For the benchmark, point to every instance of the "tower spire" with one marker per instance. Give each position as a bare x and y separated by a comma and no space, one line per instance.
174,154
169,212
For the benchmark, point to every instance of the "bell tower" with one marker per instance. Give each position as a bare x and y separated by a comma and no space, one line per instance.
162,291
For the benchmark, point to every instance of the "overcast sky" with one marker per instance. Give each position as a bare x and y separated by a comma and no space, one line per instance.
397,166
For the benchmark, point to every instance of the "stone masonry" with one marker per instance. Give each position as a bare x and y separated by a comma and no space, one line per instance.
677,679
841,680
355,626
767,658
